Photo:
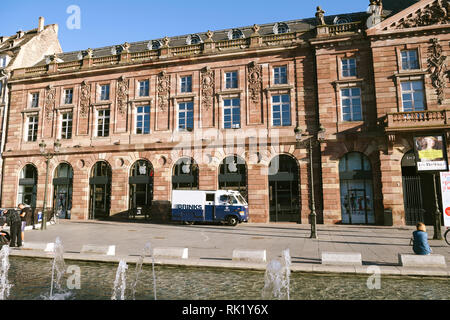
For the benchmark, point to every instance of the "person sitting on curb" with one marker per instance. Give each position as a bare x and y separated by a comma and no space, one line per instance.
420,240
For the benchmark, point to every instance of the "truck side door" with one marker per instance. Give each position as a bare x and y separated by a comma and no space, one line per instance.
210,207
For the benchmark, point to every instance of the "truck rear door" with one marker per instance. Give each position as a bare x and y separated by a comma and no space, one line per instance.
210,207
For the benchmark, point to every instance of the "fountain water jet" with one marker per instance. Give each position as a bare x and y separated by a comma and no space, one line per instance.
4,283
277,278
145,252
58,266
120,283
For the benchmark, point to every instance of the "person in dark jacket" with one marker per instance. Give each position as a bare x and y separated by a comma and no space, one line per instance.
25,212
14,221
420,240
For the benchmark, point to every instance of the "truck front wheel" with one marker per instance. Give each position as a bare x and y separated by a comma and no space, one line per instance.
232,221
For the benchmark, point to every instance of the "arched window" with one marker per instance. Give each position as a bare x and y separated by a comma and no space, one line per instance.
280,28
63,187
100,193
235,34
284,196
141,184
28,185
185,175
193,39
355,173
341,20
154,45
233,175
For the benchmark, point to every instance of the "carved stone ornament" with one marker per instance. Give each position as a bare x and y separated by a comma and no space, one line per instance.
436,13
163,91
209,34
85,99
122,95
50,100
166,41
254,81
437,67
207,83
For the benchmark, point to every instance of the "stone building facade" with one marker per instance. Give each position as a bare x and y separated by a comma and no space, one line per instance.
22,50
238,109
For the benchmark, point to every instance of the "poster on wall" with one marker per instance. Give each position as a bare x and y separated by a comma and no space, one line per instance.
431,153
445,189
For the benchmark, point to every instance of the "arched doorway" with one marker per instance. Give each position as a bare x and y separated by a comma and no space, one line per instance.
418,192
355,174
28,186
63,186
185,175
100,191
284,197
141,185
233,175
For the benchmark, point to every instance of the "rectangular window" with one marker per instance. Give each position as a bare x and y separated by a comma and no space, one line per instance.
68,96
104,92
351,104
349,67
3,61
410,60
186,84
1,88
231,80
280,75
32,128
232,113
281,110
144,88
143,120
103,117
66,125
186,116
34,100
413,98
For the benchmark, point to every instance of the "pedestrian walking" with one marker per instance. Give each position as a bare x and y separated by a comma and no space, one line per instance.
25,212
420,240
14,221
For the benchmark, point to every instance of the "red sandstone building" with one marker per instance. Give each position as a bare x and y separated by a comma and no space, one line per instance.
236,109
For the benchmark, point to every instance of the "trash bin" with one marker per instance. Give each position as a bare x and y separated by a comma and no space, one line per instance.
388,218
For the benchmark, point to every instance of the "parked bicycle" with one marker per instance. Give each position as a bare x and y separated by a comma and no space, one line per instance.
447,236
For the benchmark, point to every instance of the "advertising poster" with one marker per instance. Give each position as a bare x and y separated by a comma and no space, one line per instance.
445,189
430,153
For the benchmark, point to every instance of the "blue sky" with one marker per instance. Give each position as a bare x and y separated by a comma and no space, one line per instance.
109,22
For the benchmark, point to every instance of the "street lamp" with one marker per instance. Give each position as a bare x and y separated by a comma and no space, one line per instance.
313,141
48,156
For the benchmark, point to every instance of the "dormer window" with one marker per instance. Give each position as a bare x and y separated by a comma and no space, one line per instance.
280,28
235,34
4,60
193,39
154,45
341,20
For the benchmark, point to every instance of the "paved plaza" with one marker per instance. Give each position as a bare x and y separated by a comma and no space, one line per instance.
213,245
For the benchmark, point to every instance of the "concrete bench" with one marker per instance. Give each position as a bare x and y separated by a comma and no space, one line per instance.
342,258
171,253
250,255
94,249
47,247
414,260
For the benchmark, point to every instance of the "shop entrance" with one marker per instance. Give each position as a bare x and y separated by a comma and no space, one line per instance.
100,191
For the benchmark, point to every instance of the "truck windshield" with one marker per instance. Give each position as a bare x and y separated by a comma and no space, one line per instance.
241,199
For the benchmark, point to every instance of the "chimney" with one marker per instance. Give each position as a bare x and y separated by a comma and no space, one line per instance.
41,24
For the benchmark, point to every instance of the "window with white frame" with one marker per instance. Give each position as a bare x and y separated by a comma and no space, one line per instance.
104,92
281,110
35,100
186,84
351,104
232,113
280,75
68,96
186,116
143,120
103,119
144,88
413,98
66,125
32,128
1,88
410,60
348,67
231,80
4,61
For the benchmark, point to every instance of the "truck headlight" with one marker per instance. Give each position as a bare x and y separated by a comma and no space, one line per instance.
242,213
